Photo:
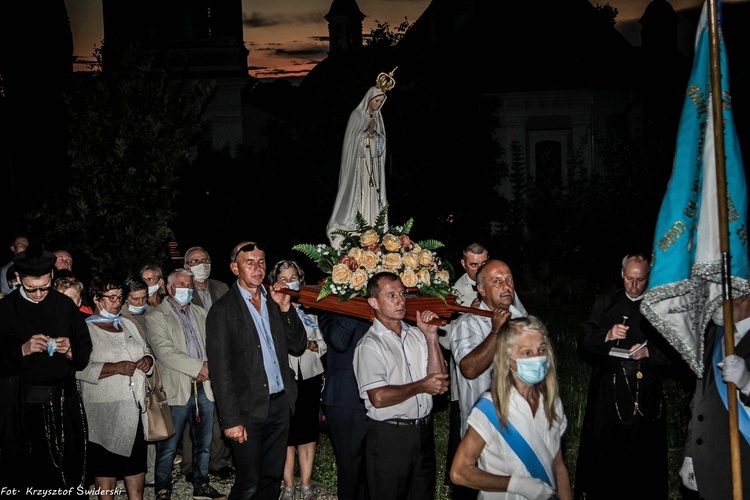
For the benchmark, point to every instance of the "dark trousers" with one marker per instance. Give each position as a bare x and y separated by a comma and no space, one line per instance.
259,461
348,430
400,461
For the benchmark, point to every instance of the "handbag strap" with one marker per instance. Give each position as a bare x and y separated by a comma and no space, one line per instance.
154,382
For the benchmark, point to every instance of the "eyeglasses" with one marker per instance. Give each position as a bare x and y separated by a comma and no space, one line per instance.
37,289
151,280
113,298
195,262
248,248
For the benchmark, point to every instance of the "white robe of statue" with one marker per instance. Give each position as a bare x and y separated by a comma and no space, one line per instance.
362,175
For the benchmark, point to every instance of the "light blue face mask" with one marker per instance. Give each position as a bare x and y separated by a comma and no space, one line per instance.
137,309
532,370
294,285
108,315
183,296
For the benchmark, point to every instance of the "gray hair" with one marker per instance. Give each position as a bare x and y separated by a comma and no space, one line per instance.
273,275
180,270
195,249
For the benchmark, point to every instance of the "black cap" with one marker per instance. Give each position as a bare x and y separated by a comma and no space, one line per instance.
34,261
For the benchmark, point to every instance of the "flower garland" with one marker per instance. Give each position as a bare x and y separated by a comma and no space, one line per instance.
371,249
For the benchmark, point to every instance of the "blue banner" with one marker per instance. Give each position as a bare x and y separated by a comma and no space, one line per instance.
685,286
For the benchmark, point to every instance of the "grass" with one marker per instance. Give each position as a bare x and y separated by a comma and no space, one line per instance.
573,375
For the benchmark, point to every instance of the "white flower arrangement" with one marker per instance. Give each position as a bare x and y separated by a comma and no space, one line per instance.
371,249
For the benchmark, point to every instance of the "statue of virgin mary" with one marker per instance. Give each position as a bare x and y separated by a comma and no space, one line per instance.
362,174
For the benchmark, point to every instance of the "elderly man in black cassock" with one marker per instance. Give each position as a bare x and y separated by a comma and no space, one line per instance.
624,433
44,341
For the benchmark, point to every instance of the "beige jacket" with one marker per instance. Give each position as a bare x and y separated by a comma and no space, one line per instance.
167,340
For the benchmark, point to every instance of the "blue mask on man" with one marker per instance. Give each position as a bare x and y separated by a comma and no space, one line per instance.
183,296
137,309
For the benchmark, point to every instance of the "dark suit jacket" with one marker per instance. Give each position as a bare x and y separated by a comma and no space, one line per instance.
216,289
342,334
708,430
236,358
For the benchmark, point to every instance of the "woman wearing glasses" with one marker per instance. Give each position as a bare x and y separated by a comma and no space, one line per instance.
114,389
154,278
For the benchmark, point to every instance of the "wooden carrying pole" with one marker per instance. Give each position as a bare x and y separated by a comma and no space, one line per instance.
359,308
723,212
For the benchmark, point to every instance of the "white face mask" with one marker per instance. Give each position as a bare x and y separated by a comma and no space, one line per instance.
201,272
153,288
294,285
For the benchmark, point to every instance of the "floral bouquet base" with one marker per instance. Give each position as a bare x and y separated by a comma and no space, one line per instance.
375,248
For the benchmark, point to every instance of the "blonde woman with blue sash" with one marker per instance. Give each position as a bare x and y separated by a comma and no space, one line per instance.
511,449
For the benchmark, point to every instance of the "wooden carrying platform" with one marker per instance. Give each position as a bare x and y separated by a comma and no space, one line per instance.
359,308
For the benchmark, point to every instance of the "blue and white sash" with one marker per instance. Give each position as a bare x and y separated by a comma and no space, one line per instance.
516,441
742,415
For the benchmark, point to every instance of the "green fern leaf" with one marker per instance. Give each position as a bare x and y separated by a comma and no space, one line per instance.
407,226
361,222
430,244
309,250
380,220
433,292
325,290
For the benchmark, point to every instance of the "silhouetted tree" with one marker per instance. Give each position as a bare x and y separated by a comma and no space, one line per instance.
607,12
131,132
383,36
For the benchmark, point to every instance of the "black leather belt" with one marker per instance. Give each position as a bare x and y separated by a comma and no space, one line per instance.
275,395
417,421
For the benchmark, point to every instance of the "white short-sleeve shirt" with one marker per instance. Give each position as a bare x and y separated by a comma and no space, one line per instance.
384,358
467,332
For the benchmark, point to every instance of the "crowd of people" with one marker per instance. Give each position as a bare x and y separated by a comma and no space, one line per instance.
243,365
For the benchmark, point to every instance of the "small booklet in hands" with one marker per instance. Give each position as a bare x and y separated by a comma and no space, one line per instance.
619,352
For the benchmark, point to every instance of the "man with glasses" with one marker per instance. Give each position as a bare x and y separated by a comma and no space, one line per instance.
205,293
206,290
44,342
250,332
176,331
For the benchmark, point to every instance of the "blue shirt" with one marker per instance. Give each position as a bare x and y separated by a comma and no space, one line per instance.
263,325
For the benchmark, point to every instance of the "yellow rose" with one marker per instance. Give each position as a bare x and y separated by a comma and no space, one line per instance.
369,237
369,260
341,274
424,276
426,258
409,278
392,261
356,254
443,276
391,243
411,259
416,248
359,279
